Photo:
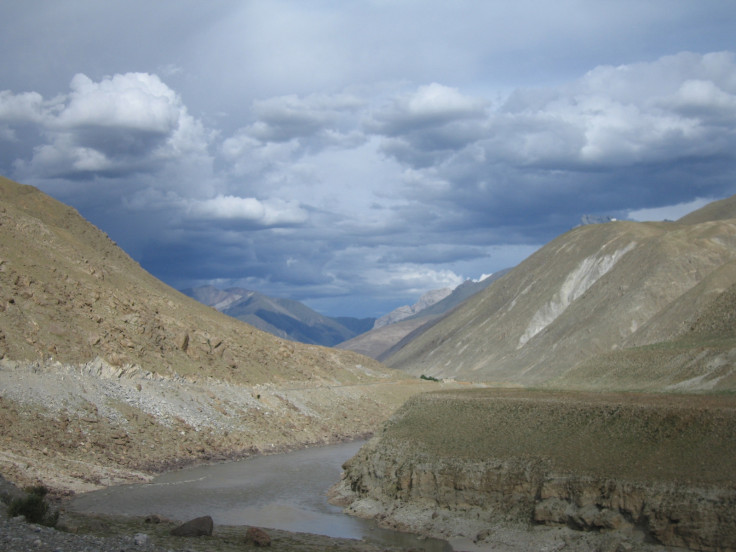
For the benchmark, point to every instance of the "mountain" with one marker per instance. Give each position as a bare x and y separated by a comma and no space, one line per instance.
378,342
619,295
460,294
284,318
70,293
427,300
106,367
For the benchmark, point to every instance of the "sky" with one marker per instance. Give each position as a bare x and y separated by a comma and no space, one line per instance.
353,155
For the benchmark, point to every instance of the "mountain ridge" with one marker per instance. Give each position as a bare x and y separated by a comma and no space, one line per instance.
380,342
424,302
584,294
282,317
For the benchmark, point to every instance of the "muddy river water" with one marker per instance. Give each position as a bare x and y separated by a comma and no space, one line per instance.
283,491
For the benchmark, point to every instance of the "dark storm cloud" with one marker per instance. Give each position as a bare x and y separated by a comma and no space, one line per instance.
333,155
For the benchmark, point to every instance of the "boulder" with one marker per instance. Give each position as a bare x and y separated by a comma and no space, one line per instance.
257,537
157,518
197,527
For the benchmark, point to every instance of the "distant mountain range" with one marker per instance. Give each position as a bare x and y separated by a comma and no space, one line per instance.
408,322
293,320
408,311
284,318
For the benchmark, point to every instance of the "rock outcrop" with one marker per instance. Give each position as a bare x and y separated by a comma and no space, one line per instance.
197,527
651,468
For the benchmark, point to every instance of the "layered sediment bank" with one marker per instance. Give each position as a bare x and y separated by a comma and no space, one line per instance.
641,471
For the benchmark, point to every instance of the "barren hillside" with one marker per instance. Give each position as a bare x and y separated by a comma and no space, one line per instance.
67,292
593,290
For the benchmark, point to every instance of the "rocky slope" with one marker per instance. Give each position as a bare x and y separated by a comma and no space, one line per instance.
594,290
626,469
69,293
107,374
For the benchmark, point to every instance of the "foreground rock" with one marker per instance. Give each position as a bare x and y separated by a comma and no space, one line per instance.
81,533
257,537
633,468
197,527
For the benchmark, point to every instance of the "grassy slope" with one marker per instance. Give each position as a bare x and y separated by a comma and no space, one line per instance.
683,438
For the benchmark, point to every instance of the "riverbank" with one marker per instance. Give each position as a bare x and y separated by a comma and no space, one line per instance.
645,472
86,533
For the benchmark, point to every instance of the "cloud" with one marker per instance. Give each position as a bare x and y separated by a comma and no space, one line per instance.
286,117
408,279
629,114
323,154
430,105
616,136
250,210
612,116
24,107
434,253
425,127
123,124
137,101
431,119
447,181
705,100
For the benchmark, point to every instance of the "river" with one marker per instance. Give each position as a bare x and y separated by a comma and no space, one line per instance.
282,491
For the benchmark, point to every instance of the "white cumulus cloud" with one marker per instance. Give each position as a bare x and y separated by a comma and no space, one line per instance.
249,210
123,124
133,100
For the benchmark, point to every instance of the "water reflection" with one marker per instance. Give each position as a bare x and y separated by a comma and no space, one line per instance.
284,491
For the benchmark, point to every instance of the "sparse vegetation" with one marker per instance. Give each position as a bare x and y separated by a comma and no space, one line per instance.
34,507
428,378
625,435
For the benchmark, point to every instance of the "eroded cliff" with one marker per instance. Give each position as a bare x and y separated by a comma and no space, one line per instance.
649,468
